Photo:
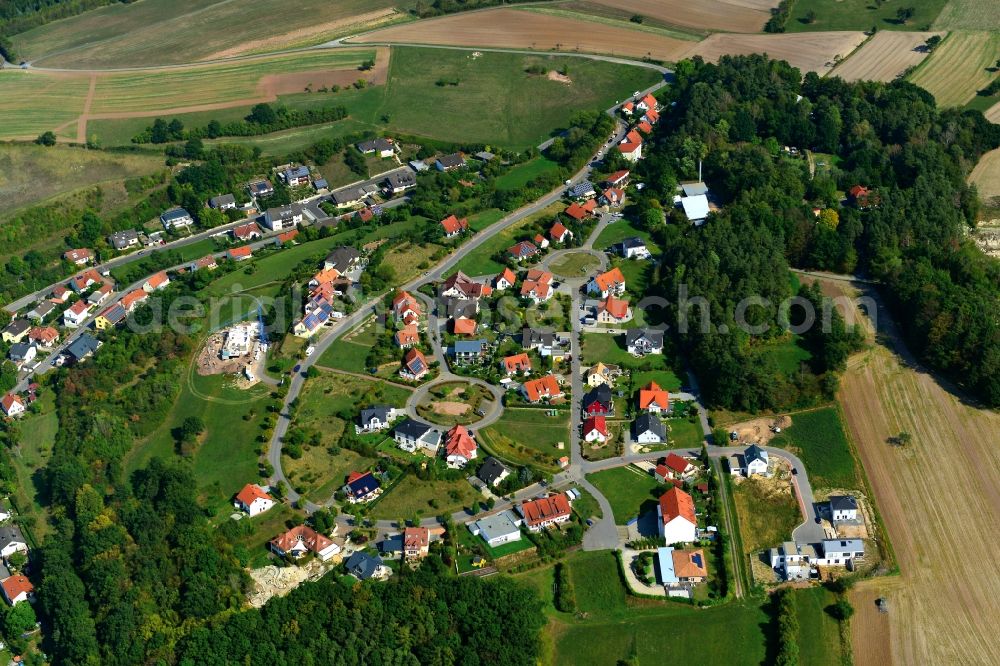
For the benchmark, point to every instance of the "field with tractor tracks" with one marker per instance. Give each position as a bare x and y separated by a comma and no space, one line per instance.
959,67
885,56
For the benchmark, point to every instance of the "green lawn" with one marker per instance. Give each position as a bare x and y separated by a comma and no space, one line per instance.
861,15
606,348
629,490
684,434
262,529
350,351
818,438
480,260
637,275
413,496
522,174
485,218
665,379
227,458
788,354
618,231
598,586
528,436
819,634
38,434
575,264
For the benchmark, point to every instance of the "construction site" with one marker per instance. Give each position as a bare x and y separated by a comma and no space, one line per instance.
236,350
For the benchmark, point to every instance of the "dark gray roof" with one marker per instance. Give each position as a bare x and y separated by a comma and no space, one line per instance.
83,346
401,179
222,200
122,238
17,327
654,336
531,337
115,313
175,214
10,534
348,195
460,307
469,346
19,351
485,155
631,243
453,160
393,544
413,429
261,186
649,423
296,172
752,453
600,394
43,308
381,412
843,503
491,470
321,184
362,565
342,258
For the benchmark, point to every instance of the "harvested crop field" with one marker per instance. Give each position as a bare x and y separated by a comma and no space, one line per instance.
958,68
936,495
885,56
516,29
986,175
723,15
810,52
993,113
162,32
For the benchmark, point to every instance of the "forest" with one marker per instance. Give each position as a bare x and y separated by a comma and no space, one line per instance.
908,234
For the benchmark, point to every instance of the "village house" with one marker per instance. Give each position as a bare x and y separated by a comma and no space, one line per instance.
518,363
12,541
504,280
79,257
541,241
843,508
85,280
617,179
111,317
677,520
411,435
755,461
361,487
653,399
578,212
59,294
642,341
294,176
559,233
598,401
45,337
545,512
462,287
582,190
459,447
240,253
344,259
156,282
469,351
537,286
492,472
260,188
286,237
207,262
41,311
122,240
544,388
631,146
99,295
406,308
364,566
463,326
76,314
601,375
282,217
672,467
414,365
222,202
17,588
613,196
176,218
384,147
595,429
133,298
407,336
16,330
523,250
253,500
450,162
647,429
680,569
246,232
376,419
498,529
613,311
83,348
609,283
12,405
302,540
791,561
400,181
648,102
416,542
22,353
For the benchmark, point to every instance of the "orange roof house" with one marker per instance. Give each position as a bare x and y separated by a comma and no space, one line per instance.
675,502
407,336
652,116
648,102
559,232
156,281
653,398
463,326
608,283
17,589
644,127
613,310
454,226
414,365
689,564
459,446
546,387
575,211
545,512
505,279
240,253
517,363
132,298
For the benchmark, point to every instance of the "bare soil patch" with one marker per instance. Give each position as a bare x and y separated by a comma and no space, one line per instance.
724,15
517,29
759,431
272,85
560,78
809,51
885,56
451,408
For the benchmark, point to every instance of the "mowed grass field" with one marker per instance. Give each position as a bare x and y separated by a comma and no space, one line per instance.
885,56
30,174
861,15
818,438
630,491
932,495
34,102
969,15
160,32
529,436
958,67
515,29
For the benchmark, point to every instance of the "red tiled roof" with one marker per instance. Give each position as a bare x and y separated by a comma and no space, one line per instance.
542,510
649,101
244,251
618,176
598,423
615,194
523,249
652,115
538,275
609,279
628,106
246,230
416,538
288,235
43,333
79,307
464,326
10,400
354,476
133,297
857,191
407,335
676,463
644,127
460,443
250,493
507,275
205,262
16,585
309,537
675,502
575,211
517,363
158,279
616,307
559,229
76,255
652,393
412,356
453,225
544,387
685,565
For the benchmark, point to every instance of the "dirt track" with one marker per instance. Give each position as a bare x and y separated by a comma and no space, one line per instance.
885,56
936,495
